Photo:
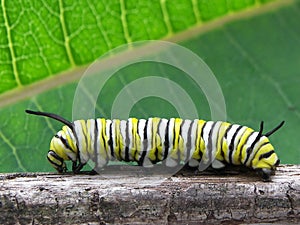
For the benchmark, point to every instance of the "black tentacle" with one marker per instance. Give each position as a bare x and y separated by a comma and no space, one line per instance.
274,130
53,116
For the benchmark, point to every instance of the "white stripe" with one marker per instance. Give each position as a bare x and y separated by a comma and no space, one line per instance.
205,135
81,140
171,134
248,144
71,154
130,137
229,137
113,134
236,141
193,137
123,133
140,132
161,132
184,134
215,133
147,162
169,161
98,140
92,135
107,133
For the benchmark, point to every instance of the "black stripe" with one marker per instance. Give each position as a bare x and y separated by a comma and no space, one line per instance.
218,134
70,133
210,142
156,146
53,153
240,155
65,142
85,136
200,152
254,142
103,139
174,132
224,137
247,150
103,134
178,147
136,147
120,136
265,143
127,142
95,144
188,142
53,162
111,141
166,144
266,155
77,142
145,143
231,145
250,149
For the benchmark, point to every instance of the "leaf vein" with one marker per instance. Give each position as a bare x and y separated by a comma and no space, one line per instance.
166,17
99,25
196,11
124,21
14,151
65,34
255,65
10,45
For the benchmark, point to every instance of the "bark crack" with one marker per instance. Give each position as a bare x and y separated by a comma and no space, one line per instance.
290,198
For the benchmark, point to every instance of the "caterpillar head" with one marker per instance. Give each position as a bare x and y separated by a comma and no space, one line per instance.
265,159
60,150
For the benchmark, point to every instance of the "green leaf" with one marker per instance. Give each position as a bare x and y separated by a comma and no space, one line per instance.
255,60
42,38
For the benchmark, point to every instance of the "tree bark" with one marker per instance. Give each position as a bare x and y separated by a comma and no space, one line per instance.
131,198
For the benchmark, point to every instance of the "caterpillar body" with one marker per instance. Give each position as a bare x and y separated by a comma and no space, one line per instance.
171,141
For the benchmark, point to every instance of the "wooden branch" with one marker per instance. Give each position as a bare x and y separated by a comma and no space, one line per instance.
185,198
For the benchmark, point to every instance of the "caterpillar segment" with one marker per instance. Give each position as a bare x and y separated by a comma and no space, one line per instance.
153,140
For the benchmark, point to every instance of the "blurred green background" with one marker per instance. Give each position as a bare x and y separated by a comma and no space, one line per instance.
255,58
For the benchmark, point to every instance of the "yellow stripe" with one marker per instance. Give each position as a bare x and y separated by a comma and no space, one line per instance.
241,148
199,140
135,136
58,148
265,162
84,144
119,138
105,152
155,122
159,144
181,148
174,151
90,148
159,147
237,151
69,139
222,131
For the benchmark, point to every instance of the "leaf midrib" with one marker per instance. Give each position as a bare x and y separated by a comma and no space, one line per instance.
75,72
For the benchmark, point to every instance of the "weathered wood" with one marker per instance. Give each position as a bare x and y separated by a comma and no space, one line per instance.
186,198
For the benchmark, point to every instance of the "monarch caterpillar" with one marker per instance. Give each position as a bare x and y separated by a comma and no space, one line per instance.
148,141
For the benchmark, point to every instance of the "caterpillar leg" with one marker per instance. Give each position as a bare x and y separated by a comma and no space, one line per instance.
93,172
217,164
76,168
266,174
193,163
